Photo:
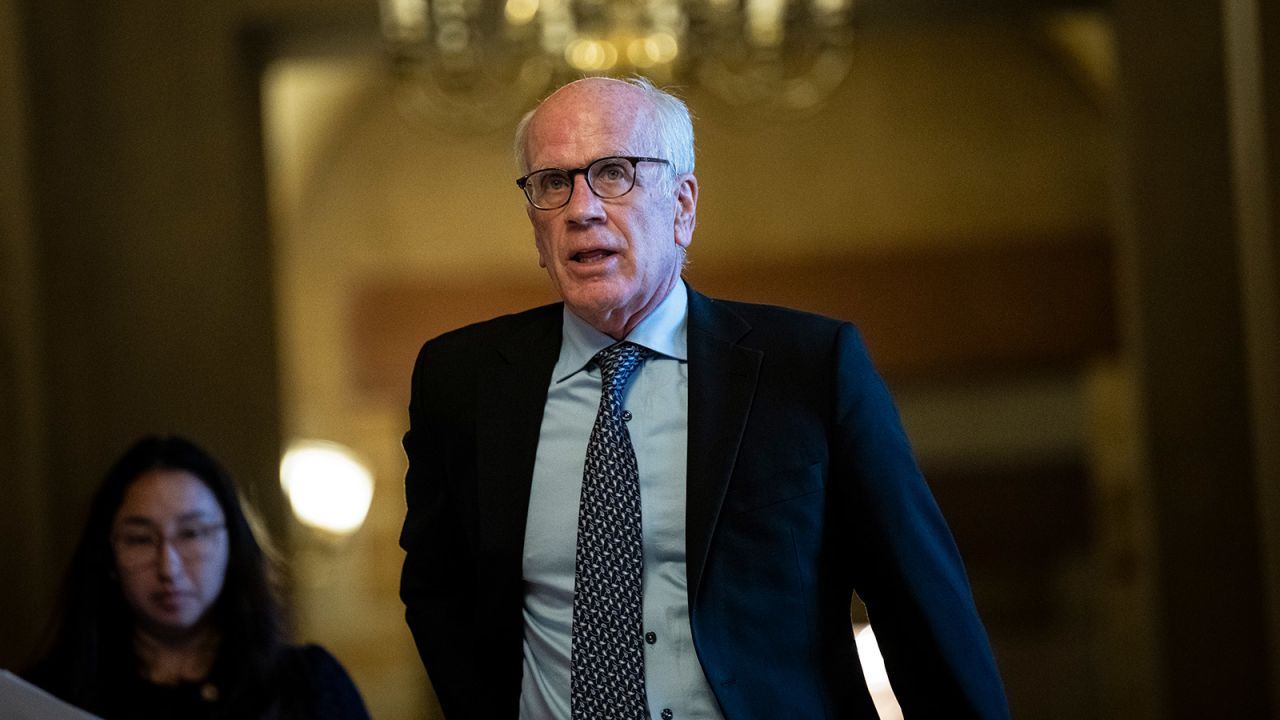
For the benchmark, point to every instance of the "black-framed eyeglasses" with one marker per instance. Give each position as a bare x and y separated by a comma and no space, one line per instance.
608,177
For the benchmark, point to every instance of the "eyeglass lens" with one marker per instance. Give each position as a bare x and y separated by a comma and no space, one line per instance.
140,545
608,177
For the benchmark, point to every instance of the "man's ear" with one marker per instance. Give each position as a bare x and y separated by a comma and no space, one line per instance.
686,209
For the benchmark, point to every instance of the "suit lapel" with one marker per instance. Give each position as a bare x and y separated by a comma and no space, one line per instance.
510,404
722,383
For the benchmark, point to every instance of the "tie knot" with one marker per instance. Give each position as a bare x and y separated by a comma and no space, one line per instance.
617,362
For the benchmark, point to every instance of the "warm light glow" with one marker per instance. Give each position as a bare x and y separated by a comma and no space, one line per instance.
875,675
656,49
327,486
830,6
472,66
591,55
764,21
521,12
665,46
641,54
557,26
404,19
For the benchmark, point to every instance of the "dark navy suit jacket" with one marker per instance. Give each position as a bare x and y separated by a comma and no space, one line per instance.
802,489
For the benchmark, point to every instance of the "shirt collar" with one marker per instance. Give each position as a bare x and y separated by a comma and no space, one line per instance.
662,331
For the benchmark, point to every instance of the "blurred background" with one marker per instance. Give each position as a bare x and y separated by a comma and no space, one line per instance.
1054,221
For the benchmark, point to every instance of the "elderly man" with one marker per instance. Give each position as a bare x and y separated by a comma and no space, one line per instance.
644,502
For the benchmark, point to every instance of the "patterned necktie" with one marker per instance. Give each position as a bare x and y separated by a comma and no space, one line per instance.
607,663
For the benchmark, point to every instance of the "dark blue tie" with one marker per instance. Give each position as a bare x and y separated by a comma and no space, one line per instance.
607,662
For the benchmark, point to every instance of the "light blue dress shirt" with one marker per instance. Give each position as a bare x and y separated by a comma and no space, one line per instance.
658,399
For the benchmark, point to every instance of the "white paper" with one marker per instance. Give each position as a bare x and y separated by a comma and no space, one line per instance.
20,700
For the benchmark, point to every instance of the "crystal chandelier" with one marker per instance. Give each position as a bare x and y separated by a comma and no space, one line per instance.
473,65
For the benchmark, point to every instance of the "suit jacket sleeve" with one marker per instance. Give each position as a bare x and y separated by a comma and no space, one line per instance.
474,414
902,559
438,581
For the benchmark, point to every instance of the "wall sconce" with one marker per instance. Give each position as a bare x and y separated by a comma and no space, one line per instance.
328,487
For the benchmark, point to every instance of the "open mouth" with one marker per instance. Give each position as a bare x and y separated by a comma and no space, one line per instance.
592,256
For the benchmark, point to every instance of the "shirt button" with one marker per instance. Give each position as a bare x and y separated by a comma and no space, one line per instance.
651,637
626,416
667,714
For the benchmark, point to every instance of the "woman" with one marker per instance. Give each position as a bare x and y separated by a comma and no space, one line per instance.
168,609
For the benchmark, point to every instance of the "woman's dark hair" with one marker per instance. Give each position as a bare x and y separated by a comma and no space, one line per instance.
91,642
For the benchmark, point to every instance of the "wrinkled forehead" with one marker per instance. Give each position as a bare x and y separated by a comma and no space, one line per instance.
588,119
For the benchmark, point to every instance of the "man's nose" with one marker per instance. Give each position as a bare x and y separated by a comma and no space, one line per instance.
584,206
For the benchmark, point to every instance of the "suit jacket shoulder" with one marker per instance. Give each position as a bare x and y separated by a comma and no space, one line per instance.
762,326
498,332
460,358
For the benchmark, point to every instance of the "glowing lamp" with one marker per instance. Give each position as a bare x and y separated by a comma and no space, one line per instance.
327,486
